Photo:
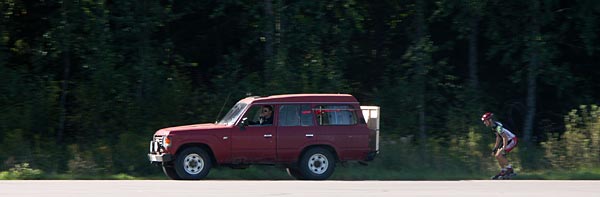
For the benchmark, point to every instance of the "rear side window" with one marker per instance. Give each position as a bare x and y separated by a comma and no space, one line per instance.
295,115
335,115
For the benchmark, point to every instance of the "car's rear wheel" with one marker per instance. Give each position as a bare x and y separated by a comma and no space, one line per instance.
317,164
294,173
193,163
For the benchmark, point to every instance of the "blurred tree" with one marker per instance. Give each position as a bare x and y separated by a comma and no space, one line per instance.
466,17
306,57
519,40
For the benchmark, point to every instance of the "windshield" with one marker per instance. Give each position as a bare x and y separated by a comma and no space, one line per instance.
233,114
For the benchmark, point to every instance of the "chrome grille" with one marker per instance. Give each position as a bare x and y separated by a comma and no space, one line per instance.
159,139
156,144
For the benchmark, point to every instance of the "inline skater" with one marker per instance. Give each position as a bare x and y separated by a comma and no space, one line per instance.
505,142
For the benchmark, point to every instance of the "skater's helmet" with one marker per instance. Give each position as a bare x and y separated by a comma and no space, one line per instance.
486,116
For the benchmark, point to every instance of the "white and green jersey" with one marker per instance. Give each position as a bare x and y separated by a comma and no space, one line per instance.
499,129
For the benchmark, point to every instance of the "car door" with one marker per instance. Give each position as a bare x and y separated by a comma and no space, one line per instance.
295,130
254,142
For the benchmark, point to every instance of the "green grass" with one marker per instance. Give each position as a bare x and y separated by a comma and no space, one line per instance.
120,176
53,176
351,172
367,173
580,174
359,172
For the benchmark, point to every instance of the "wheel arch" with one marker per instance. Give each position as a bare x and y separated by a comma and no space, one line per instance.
325,146
206,147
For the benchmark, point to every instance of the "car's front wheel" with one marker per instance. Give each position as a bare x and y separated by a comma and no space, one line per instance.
317,164
170,172
193,163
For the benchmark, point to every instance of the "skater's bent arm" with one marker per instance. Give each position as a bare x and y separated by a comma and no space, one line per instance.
497,141
504,140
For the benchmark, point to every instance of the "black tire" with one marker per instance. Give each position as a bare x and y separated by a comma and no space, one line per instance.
170,172
193,163
317,164
294,173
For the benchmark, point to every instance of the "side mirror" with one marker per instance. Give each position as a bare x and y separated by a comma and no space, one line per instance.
243,123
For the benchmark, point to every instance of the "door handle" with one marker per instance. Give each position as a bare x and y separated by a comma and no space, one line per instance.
310,135
268,135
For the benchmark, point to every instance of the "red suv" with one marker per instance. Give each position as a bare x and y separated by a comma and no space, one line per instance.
307,133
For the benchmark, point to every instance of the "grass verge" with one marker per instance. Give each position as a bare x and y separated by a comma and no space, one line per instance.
348,172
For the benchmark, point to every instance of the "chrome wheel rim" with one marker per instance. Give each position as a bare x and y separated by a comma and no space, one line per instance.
193,164
318,163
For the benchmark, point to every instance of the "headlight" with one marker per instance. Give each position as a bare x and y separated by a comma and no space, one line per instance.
166,141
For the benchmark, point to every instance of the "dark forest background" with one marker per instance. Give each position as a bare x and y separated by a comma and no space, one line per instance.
84,84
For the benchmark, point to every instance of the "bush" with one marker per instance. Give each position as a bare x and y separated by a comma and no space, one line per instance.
82,163
472,151
579,146
21,171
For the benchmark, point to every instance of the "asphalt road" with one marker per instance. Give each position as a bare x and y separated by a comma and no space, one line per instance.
165,188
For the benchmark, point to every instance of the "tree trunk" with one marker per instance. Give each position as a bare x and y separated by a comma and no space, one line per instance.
279,24
271,59
276,73
63,95
420,67
473,79
532,70
269,31
66,50
531,96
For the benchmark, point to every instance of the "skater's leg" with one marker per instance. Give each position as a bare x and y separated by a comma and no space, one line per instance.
502,161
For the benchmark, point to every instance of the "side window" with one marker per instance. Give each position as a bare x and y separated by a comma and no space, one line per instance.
295,115
335,115
260,115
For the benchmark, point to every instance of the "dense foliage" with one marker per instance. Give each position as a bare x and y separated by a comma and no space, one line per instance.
85,83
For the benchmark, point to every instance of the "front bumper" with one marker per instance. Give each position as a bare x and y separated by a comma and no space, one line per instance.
160,158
